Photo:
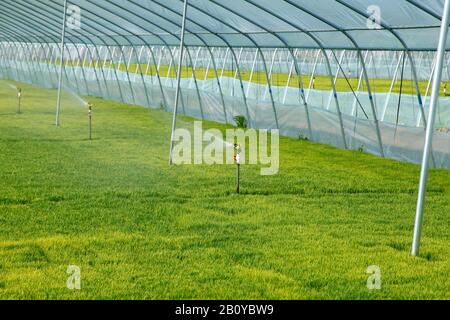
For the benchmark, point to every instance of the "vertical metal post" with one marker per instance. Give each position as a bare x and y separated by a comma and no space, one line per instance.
355,100
90,121
98,60
19,96
138,66
129,60
111,57
63,36
311,81
194,67
251,72
177,93
335,95
238,62
270,73
388,97
291,69
238,178
336,77
160,57
207,68
91,62
169,78
147,69
430,128
433,68
224,62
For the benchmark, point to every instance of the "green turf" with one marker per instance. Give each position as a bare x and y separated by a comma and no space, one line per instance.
139,229
277,78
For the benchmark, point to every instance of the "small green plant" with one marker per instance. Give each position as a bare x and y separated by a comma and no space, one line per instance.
161,106
241,121
361,148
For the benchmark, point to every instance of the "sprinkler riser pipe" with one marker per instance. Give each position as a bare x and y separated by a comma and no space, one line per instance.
19,96
90,121
238,177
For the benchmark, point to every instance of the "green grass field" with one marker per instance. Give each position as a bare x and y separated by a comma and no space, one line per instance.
277,79
139,229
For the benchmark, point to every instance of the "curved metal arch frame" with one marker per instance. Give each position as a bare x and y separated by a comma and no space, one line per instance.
156,35
56,37
263,60
393,31
78,52
24,66
189,55
366,76
193,71
27,40
214,62
117,44
298,71
13,45
162,40
407,50
76,46
256,45
147,45
247,36
115,69
21,43
121,51
32,17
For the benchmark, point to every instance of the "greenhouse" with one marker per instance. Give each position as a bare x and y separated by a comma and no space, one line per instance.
359,75
320,78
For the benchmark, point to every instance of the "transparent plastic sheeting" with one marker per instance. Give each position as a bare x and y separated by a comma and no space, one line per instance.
379,64
403,141
330,24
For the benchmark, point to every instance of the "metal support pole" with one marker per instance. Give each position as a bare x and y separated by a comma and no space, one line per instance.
194,67
90,121
355,100
335,95
19,96
372,104
270,73
311,81
291,69
251,73
63,36
138,62
336,76
238,178
207,69
177,93
388,97
433,68
430,128
224,62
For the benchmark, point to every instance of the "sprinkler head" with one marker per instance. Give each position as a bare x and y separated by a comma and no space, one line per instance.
237,155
